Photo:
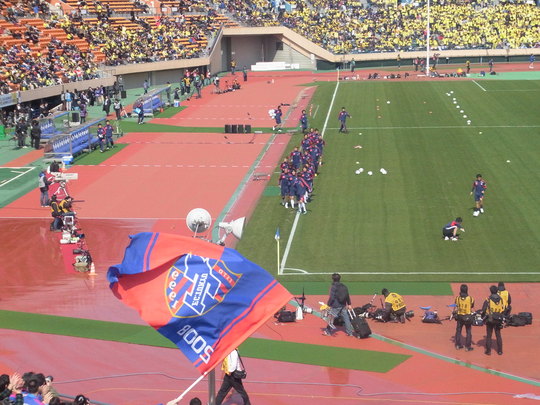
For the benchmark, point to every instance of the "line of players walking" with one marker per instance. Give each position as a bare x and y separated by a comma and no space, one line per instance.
299,170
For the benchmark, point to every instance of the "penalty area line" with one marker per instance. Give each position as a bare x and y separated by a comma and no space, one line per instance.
448,127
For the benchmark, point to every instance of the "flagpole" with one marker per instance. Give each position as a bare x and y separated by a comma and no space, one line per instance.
277,237
278,257
212,387
183,394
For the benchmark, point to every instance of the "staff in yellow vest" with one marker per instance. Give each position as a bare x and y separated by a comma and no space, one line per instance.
394,306
493,311
507,299
464,317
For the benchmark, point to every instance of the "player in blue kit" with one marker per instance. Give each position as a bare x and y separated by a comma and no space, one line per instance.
285,165
289,180
293,182
315,155
301,191
478,188
277,117
306,141
296,158
307,175
342,117
283,185
304,121
450,230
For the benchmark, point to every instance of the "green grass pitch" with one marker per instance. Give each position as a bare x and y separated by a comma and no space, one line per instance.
388,227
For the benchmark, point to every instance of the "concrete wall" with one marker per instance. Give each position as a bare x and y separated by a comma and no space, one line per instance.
216,58
289,53
51,91
247,50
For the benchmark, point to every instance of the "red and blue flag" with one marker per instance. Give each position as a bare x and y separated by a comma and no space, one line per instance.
205,298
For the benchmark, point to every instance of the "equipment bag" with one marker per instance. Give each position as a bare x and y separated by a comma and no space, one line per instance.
466,319
478,320
516,320
240,374
527,316
379,315
496,318
286,316
364,309
431,317
359,325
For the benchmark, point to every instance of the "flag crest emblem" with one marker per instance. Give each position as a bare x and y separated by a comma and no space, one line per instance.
195,285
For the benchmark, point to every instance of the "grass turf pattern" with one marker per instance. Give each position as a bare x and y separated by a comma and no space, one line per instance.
391,224
256,348
12,188
96,157
369,287
170,112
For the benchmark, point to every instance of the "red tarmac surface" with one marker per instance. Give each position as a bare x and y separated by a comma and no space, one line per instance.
150,186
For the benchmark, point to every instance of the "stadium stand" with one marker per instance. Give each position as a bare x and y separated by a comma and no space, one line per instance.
39,48
347,27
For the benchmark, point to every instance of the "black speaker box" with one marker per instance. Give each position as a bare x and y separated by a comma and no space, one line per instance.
248,129
234,128
75,117
286,316
123,94
227,128
240,128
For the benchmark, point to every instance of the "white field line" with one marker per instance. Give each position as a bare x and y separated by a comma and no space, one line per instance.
479,85
449,127
19,175
387,273
297,216
512,90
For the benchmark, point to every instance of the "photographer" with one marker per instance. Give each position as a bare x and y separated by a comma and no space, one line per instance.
232,364
464,305
394,307
56,213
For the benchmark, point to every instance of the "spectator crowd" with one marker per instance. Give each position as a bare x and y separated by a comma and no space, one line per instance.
341,26
32,388
347,27
155,39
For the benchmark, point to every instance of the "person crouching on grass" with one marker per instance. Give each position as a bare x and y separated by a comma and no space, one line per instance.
450,230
